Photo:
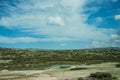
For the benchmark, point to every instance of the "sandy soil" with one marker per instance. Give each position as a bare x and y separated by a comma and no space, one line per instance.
57,74
25,75
51,74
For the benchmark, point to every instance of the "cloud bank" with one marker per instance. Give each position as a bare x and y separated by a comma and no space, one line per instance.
59,20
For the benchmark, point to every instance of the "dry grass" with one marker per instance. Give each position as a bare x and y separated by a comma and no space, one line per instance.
60,74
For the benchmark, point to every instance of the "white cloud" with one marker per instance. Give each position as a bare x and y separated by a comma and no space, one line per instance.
74,4
56,20
114,41
92,10
117,41
99,19
38,16
117,17
22,21
4,39
96,44
63,44
114,36
114,0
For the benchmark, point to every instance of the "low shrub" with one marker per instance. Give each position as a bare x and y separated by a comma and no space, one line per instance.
64,66
80,78
78,68
101,76
118,65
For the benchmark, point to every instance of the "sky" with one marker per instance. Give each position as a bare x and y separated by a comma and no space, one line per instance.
59,24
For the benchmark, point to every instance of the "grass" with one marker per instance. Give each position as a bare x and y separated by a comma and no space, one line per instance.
5,61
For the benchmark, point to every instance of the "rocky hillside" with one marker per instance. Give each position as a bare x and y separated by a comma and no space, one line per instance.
11,58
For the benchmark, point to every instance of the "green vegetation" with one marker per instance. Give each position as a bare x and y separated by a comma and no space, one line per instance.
78,68
80,78
99,76
118,65
25,59
64,66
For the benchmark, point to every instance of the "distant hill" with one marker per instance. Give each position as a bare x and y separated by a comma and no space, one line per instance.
37,58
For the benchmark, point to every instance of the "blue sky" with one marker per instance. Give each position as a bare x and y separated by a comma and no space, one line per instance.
59,24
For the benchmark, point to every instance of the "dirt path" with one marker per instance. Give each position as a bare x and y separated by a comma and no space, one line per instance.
25,75
44,77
